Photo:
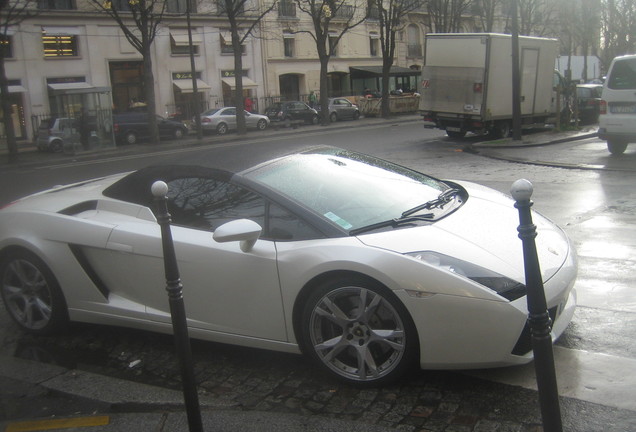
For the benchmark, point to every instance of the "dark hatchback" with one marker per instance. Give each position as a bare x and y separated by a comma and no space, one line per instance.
589,102
292,110
131,127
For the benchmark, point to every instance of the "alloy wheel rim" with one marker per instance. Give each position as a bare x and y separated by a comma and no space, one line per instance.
357,333
27,294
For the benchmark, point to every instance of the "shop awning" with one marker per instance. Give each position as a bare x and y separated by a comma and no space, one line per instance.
185,85
182,39
247,83
17,89
61,31
70,86
376,71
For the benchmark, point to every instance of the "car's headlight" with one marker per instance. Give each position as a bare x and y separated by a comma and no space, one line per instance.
502,285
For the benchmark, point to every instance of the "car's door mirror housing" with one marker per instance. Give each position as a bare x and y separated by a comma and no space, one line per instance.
244,231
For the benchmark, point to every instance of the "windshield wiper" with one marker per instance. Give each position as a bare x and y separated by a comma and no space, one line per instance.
439,202
393,222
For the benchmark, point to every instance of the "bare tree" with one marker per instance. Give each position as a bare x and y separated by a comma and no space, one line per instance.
244,17
331,20
12,12
139,20
392,16
446,15
618,23
487,11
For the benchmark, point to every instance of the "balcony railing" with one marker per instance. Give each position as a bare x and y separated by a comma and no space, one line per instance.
344,12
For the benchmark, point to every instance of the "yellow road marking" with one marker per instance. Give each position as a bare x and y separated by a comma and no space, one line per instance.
40,425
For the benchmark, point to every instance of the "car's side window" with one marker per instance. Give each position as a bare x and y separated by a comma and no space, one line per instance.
285,226
206,203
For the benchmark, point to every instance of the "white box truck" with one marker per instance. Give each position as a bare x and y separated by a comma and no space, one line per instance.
467,82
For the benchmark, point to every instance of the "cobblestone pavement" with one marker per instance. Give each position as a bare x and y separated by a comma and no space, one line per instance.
250,379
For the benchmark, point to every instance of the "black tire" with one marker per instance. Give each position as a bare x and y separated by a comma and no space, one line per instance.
501,129
31,294
221,129
333,117
130,138
455,134
315,120
178,133
339,336
261,124
56,146
616,147
356,115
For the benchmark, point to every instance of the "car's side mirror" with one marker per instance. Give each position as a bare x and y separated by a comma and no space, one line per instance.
241,230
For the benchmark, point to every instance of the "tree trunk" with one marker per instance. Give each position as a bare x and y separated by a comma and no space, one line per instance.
239,102
149,93
9,131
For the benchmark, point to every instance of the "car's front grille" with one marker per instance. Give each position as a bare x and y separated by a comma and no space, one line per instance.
524,343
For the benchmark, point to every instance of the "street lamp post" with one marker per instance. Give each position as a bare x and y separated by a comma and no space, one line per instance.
177,309
538,316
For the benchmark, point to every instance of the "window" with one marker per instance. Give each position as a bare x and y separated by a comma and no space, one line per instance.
56,4
226,43
207,203
6,46
59,45
221,9
286,8
288,44
180,6
333,47
374,44
180,41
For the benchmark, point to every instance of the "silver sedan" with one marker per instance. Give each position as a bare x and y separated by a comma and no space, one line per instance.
222,120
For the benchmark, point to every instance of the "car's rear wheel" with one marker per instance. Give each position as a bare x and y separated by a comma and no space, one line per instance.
130,138
178,133
333,117
56,146
359,331
261,125
31,293
616,147
221,129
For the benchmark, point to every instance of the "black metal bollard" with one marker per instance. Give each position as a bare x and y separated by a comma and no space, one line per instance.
177,309
538,316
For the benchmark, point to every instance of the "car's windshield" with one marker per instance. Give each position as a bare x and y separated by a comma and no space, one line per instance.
349,189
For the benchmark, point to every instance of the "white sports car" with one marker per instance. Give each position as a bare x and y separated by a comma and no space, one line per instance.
365,266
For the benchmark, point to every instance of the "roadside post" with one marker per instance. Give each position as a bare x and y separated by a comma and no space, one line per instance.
538,316
177,309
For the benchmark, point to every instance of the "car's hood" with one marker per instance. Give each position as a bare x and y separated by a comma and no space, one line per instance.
484,232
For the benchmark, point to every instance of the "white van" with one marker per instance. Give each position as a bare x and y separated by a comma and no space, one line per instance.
617,120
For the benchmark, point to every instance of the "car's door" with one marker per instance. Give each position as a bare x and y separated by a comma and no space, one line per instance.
228,115
344,108
225,289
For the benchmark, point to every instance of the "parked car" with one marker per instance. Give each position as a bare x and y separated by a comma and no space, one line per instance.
131,127
292,110
589,102
222,120
367,267
341,109
617,121
52,133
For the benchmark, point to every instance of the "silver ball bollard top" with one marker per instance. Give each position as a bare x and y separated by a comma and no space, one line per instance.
159,189
521,190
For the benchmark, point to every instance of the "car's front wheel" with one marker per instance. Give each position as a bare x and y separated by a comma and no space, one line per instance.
314,120
261,125
178,133
130,138
616,147
359,331
31,293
